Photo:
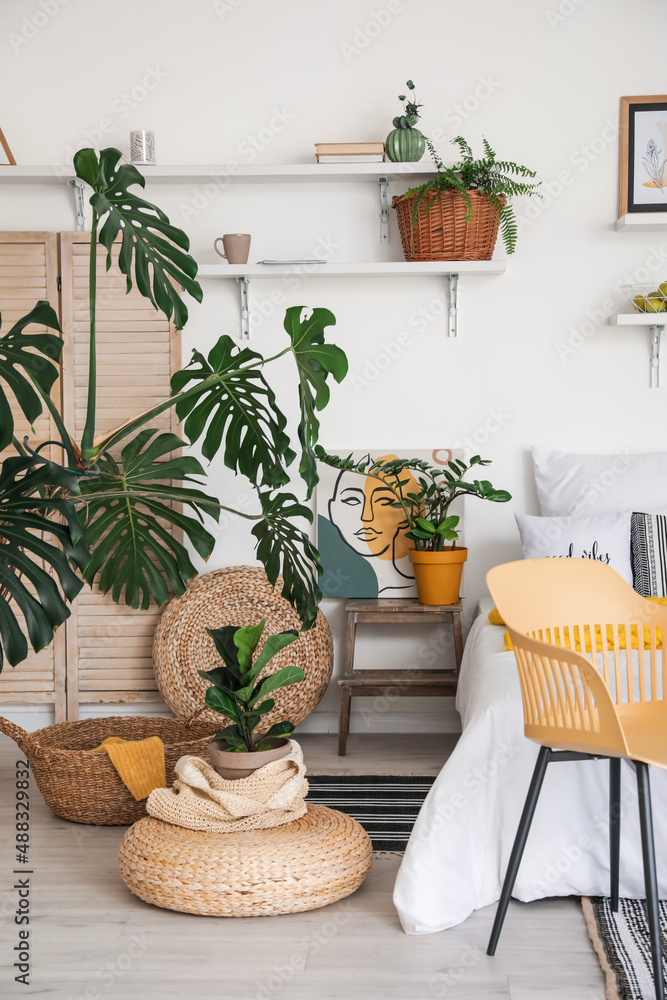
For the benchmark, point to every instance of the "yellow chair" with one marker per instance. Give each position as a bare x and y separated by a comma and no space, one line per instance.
577,710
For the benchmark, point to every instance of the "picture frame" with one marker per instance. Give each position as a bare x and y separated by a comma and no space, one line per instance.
643,152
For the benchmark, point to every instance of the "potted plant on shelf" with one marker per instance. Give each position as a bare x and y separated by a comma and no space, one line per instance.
456,214
406,143
437,566
238,693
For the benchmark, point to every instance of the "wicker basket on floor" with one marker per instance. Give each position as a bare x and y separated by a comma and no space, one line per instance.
311,862
80,783
440,230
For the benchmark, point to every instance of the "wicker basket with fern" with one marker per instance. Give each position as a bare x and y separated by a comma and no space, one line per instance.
456,215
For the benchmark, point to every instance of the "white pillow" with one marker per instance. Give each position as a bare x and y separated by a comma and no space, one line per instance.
605,537
581,485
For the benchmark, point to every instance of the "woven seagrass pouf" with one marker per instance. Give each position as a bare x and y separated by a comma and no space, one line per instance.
236,595
311,862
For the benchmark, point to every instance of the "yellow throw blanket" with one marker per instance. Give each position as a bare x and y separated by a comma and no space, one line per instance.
201,799
140,763
495,618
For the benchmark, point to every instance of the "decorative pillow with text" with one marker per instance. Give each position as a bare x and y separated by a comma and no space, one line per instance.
605,538
649,554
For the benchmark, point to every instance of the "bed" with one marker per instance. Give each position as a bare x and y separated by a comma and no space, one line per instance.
459,849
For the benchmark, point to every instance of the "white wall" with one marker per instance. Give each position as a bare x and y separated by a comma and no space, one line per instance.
541,80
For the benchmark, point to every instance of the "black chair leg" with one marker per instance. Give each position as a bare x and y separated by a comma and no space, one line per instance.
614,827
650,875
519,845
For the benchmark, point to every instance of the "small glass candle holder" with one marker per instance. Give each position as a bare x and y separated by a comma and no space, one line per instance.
142,147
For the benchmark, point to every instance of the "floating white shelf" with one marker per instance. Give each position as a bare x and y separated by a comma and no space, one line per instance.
656,324
258,173
451,269
642,222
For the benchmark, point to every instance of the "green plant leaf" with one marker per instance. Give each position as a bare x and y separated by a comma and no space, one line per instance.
283,548
428,526
32,493
273,645
233,400
315,361
279,729
246,639
220,701
290,674
266,706
233,735
153,252
34,354
223,639
126,508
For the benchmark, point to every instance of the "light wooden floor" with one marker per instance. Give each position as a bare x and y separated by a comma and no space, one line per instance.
92,940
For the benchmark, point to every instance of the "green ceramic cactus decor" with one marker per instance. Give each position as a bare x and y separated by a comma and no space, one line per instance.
406,143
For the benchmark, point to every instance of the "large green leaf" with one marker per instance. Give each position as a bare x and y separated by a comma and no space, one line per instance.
290,674
246,640
32,493
315,362
152,250
283,548
127,516
273,645
17,351
235,402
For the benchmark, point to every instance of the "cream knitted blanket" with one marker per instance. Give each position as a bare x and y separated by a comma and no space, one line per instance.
201,799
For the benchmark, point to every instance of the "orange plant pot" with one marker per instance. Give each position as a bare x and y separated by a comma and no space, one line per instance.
438,574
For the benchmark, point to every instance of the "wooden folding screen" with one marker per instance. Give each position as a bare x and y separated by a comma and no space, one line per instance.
109,646
29,272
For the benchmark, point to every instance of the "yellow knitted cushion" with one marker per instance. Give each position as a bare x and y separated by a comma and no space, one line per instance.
495,618
140,763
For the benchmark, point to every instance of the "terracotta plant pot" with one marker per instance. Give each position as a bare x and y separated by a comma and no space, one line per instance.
241,765
438,574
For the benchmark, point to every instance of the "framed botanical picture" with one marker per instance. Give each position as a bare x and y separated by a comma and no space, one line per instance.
643,174
363,549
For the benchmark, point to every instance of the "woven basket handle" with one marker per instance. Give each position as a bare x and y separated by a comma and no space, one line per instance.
20,736
193,718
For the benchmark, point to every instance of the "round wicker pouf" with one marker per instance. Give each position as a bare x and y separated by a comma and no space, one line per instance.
311,862
237,595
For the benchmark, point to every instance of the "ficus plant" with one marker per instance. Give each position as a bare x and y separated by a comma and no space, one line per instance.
237,691
427,522
107,518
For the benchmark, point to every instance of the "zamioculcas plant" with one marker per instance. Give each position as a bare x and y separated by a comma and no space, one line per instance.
236,690
116,514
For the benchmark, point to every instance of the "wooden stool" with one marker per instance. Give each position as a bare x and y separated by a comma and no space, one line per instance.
411,683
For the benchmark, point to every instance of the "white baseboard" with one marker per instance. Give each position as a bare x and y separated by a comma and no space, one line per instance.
363,720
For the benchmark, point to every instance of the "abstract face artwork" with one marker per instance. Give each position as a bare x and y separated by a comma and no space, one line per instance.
362,545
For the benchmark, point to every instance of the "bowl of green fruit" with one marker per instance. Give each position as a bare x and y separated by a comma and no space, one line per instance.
647,298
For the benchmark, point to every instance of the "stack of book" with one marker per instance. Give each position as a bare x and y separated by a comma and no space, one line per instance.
349,152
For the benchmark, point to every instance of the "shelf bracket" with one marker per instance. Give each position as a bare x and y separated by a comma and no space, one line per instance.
79,189
243,284
655,354
384,209
453,304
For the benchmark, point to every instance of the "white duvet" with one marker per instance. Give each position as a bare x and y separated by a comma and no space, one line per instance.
459,848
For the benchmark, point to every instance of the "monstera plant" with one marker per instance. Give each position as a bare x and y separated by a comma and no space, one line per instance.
106,518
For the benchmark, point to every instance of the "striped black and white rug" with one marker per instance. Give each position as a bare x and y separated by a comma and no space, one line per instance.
623,945
385,805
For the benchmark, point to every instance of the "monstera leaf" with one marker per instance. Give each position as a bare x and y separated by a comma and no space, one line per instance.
17,351
235,402
158,248
282,548
315,361
31,541
128,510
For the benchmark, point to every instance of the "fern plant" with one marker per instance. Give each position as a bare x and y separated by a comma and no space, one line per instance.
498,180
